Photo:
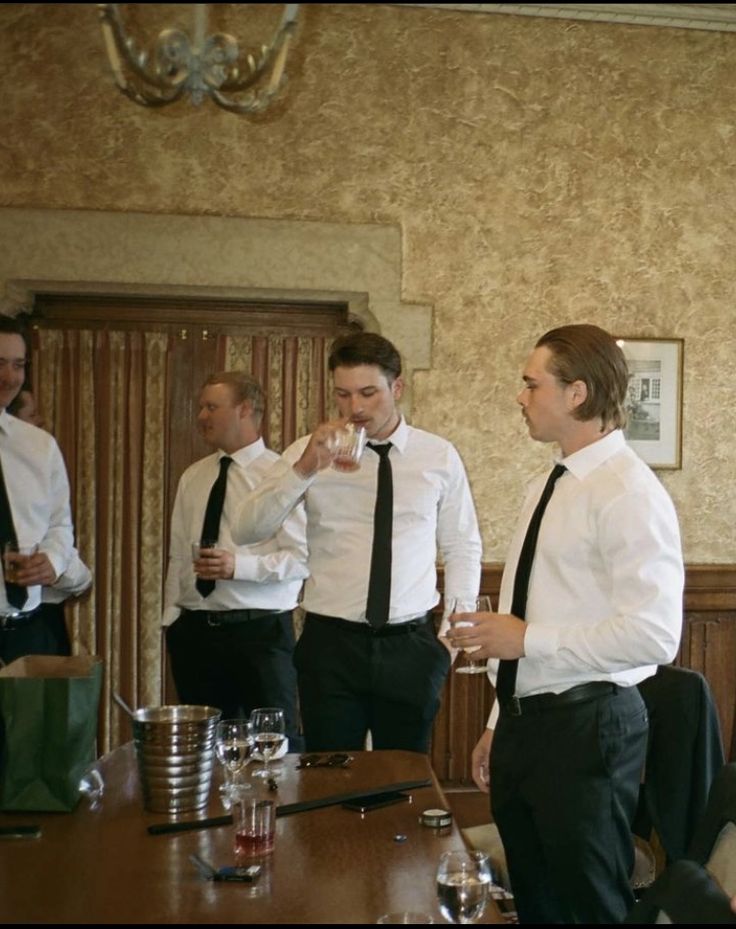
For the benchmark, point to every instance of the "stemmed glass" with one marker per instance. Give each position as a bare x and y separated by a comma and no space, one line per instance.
233,748
463,885
480,605
269,732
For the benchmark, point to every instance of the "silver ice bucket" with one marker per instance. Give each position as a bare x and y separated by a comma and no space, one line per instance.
174,746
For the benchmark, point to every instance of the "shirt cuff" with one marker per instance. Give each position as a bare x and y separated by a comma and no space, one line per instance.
58,562
247,568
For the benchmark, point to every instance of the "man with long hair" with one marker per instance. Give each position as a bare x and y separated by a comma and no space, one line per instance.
590,604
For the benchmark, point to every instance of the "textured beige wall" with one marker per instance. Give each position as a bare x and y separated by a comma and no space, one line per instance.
540,172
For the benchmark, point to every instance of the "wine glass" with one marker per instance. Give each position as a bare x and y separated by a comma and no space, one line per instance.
463,885
233,748
269,732
480,605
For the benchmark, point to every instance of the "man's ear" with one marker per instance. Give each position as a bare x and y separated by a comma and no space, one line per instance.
577,393
397,388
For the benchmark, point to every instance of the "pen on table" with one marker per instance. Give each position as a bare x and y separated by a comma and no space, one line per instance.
186,826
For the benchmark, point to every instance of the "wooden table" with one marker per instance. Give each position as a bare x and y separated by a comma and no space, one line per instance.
330,865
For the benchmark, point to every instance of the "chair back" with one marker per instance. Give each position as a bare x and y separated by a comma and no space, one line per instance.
684,755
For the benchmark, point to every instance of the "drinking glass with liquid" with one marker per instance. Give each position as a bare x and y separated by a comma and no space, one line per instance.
233,748
463,885
467,664
255,827
269,735
15,555
347,444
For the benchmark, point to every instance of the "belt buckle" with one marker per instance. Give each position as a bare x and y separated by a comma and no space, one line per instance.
213,621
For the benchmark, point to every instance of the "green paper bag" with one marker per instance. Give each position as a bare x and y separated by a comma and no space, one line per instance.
48,712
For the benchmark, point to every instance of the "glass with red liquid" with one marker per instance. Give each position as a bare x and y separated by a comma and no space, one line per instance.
347,444
255,827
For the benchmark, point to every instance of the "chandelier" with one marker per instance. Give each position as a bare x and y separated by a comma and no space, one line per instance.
196,63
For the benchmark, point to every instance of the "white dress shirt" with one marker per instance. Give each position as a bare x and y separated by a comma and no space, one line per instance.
38,490
432,511
605,592
268,576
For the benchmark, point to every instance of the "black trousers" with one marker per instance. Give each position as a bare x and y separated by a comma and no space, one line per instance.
236,666
44,633
564,788
352,680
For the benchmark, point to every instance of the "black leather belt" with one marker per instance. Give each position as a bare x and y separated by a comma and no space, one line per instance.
232,617
542,703
13,620
366,629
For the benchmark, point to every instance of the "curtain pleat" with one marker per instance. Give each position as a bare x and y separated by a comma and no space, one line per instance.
84,611
239,353
274,389
153,516
289,374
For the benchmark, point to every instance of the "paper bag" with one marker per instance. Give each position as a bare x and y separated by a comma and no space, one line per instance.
48,728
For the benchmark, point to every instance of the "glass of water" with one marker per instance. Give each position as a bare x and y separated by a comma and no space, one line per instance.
269,732
233,748
463,885
481,605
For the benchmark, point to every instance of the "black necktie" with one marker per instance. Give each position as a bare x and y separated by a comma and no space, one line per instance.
15,593
507,668
379,584
211,525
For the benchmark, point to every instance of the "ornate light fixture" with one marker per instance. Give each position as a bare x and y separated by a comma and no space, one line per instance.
199,64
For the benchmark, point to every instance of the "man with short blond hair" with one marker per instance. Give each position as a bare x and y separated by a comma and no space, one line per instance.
228,611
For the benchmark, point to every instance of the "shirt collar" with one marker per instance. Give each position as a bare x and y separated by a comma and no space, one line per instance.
246,454
586,460
398,438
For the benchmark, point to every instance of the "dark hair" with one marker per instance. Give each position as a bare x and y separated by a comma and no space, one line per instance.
245,387
590,354
11,325
366,348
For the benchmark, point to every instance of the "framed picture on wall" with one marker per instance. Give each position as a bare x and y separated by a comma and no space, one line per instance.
654,406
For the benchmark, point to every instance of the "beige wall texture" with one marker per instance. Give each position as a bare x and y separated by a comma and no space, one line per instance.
537,171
